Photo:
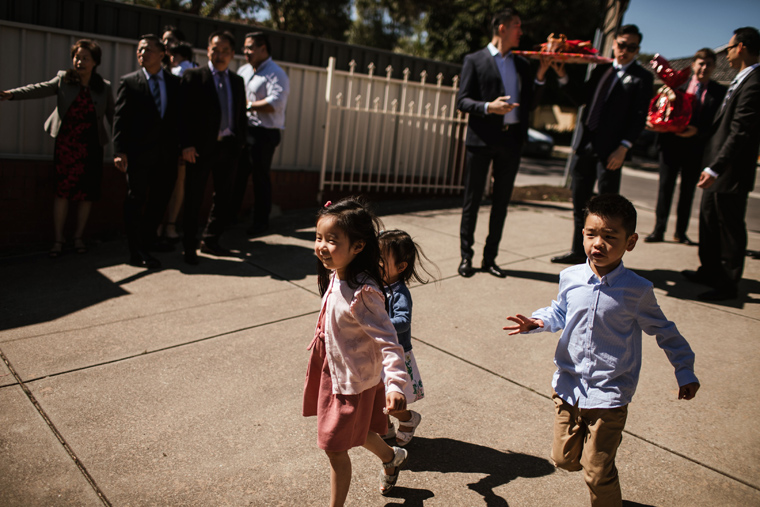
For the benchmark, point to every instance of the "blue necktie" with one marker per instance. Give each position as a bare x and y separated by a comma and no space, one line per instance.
223,104
155,90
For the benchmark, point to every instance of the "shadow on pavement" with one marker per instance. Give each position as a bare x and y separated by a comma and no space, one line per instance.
533,275
37,289
675,285
446,455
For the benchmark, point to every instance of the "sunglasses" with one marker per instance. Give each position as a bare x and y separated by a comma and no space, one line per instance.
627,47
733,46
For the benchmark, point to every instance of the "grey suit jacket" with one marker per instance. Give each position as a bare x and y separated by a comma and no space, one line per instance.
66,93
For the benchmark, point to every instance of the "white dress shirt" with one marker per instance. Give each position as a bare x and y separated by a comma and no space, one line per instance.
269,82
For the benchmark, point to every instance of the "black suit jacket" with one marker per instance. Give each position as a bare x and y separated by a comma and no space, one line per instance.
704,119
201,114
624,113
481,83
733,147
138,127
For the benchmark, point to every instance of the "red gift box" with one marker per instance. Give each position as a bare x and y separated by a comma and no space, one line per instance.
670,110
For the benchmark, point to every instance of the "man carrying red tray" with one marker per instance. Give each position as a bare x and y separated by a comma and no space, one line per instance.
682,151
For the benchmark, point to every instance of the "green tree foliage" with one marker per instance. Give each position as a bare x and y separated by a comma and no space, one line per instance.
428,28
387,24
329,19
464,26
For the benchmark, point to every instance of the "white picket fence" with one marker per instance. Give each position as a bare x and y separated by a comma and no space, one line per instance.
384,134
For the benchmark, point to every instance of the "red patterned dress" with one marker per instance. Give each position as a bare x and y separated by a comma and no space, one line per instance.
78,153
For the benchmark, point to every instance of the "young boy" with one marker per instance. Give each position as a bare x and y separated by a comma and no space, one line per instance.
602,309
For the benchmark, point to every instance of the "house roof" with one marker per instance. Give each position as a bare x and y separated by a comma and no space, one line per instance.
723,73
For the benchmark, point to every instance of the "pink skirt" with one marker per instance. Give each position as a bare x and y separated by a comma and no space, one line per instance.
343,420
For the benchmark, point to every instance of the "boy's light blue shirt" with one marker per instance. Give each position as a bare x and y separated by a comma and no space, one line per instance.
598,356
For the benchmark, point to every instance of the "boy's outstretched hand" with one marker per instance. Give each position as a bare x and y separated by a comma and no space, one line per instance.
688,391
524,324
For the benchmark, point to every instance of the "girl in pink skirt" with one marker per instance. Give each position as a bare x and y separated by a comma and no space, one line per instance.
354,345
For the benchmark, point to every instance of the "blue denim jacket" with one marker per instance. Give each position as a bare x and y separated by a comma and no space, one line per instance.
398,302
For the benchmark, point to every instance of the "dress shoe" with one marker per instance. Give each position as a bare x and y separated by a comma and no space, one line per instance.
753,254
191,257
684,239
214,248
655,237
569,258
257,229
161,245
144,260
717,295
465,268
696,277
492,268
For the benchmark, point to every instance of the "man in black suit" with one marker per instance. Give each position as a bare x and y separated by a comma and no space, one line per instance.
212,134
498,92
617,97
146,147
682,152
729,175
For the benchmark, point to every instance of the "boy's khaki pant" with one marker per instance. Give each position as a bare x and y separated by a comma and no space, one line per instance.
588,439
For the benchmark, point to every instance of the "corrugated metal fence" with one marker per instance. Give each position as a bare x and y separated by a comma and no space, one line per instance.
33,54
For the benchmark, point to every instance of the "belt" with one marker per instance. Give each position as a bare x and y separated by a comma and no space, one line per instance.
225,138
507,126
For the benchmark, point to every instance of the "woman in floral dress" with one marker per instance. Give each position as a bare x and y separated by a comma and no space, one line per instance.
84,99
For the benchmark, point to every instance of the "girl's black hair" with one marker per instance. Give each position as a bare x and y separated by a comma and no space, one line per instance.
404,249
357,220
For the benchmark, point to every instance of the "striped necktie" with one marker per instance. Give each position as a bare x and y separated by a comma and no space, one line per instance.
731,89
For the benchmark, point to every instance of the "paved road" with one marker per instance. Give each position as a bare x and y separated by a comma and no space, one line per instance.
639,184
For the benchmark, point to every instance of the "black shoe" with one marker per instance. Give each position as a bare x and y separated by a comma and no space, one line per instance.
144,260
569,258
492,268
213,248
655,237
753,254
696,277
717,295
465,268
161,245
191,257
257,229
684,239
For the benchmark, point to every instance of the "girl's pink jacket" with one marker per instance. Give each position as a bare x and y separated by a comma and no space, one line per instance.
360,340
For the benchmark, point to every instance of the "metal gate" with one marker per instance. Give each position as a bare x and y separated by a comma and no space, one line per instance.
391,135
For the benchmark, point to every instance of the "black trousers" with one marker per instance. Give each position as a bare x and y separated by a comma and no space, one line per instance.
506,162
256,162
150,182
587,171
682,156
722,238
220,160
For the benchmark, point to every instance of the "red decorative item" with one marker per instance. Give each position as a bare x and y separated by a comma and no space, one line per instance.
670,110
